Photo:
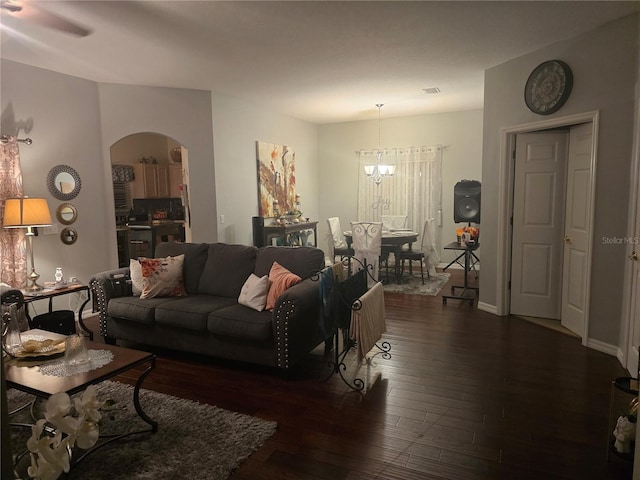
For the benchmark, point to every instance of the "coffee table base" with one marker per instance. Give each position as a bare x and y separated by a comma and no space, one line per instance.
141,413
32,381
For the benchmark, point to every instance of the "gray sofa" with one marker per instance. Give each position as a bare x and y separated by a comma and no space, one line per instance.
209,320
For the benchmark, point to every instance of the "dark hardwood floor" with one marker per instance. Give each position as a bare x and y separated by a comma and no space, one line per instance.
466,395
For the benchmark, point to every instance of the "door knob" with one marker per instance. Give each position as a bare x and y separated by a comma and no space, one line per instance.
633,256
567,239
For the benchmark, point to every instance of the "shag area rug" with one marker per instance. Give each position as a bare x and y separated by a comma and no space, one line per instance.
194,441
413,285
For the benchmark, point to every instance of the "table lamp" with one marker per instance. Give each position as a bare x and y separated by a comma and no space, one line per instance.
29,213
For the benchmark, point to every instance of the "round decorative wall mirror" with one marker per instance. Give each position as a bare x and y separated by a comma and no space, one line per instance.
68,235
63,182
66,213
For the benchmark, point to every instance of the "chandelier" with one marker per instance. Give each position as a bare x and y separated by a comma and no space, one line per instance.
378,171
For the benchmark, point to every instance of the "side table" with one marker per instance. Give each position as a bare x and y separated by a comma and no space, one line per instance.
468,256
50,293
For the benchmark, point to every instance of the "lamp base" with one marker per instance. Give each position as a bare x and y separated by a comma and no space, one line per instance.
33,278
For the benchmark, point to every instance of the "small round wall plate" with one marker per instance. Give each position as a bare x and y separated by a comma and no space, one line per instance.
548,87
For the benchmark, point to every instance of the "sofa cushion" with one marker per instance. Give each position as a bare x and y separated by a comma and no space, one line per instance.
242,322
190,312
195,257
134,309
227,268
303,261
280,279
162,277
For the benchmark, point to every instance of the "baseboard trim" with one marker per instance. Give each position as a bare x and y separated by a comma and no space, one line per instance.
486,307
603,347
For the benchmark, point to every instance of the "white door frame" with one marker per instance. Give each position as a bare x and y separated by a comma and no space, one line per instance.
629,354
505,202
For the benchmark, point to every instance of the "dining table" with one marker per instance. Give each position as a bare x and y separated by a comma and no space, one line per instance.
392,241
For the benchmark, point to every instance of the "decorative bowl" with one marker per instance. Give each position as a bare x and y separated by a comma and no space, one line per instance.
176,155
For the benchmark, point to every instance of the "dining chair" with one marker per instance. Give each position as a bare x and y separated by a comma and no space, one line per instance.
394,222
391,223
367,247
418,255
337,244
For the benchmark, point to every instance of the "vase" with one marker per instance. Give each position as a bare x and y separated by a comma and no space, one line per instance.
11,341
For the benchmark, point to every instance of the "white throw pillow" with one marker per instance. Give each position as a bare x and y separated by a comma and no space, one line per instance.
254,292
135,271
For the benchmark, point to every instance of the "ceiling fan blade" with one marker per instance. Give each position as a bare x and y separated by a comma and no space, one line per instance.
9,6
46,18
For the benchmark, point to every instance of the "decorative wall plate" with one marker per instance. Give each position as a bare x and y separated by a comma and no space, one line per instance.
63,182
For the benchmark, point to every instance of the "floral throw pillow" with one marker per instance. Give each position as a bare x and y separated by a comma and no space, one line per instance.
162,277
135,271
280,279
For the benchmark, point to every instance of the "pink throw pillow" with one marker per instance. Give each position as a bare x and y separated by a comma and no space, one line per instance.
280,279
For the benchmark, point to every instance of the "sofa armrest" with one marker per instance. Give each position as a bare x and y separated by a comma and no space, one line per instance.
296,319
105,286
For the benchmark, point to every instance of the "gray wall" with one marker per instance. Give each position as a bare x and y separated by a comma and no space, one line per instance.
75,122
604,65
66,130
237,126
183,115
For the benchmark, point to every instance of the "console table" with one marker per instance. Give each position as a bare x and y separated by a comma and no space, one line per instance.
49,293
262,233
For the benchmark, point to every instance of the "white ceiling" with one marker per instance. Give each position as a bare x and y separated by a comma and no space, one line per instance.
318,61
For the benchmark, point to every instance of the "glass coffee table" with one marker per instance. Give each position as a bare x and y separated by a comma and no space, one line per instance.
30,380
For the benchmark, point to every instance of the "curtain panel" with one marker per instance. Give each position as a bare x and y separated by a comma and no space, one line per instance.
13,257
415,190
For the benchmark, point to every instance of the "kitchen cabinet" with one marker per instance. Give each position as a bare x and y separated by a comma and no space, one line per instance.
151,181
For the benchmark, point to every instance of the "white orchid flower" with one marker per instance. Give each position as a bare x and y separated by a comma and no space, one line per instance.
57,407
40,469
52,456
68,424
50,450
37,441
88,404
87,435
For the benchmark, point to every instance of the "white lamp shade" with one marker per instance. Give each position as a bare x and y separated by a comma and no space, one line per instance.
26,212
369,169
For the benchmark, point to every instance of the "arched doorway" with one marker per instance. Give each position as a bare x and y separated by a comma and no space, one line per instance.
150,178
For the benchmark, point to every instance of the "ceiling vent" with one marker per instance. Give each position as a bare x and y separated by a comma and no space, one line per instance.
431,90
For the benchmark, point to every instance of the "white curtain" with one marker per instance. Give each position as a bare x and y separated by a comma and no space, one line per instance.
415,190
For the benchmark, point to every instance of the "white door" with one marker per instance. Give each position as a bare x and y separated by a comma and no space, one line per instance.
538,218
576,229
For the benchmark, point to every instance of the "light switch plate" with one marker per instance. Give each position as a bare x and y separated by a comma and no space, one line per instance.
52,230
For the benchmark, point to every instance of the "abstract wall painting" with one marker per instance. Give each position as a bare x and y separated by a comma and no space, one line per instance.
276,179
